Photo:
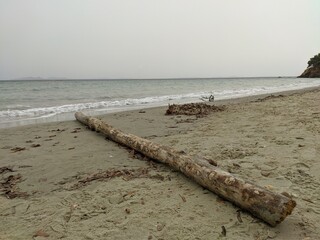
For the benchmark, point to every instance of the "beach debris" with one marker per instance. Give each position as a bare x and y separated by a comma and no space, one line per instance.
40,233
127,210
198,109
35,145
57,130
210,98
76,130
10,189
5,170
71,148
223,231
142,111
160,226
211,162
129,194
239,216
183,198
25,166
201,158
37,137
126,174
269,97
245,194
17,149
29,141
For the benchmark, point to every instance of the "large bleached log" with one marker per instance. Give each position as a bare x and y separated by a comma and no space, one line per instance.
271,207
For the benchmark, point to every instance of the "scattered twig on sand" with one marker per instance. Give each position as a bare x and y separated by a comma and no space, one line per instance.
307,200
198,109
183,198
126,174
17,149
239,216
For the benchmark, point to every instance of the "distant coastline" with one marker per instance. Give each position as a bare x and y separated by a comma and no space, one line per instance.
169,78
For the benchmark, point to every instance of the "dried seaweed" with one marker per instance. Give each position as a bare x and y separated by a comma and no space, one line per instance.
5,170
10,189
198,109
269,97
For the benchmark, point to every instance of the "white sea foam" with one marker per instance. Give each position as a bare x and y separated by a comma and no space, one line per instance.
102,105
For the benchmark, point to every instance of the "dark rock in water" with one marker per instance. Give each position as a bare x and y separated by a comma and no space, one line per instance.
311,72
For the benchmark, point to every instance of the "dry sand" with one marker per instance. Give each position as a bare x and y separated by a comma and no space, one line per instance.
274,142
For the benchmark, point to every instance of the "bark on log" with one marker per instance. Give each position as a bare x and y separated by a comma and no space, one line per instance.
271,207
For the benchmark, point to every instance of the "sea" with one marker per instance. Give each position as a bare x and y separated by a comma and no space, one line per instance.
25,102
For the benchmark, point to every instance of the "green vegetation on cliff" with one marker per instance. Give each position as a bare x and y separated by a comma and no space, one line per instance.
314,61
313,70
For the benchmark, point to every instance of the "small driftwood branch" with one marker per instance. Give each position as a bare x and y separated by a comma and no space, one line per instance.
271,207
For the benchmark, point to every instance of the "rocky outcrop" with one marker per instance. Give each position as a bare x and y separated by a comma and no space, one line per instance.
311,72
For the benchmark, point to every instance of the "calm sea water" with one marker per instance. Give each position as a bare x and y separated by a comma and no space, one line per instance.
24,102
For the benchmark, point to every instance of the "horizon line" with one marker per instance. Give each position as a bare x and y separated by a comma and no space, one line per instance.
169,78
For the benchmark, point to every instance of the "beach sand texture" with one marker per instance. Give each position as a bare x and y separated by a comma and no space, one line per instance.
72,183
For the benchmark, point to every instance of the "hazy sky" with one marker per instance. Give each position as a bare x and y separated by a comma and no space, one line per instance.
157,38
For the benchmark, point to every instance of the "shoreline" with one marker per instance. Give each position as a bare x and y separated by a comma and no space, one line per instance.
61,118
69,183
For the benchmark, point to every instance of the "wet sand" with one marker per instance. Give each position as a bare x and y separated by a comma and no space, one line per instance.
71,183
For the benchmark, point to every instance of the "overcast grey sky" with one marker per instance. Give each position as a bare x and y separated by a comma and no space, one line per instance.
157,38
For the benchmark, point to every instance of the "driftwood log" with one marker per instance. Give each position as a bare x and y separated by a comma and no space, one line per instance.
271,207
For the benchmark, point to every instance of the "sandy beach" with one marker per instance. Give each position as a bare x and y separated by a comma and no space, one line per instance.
71,183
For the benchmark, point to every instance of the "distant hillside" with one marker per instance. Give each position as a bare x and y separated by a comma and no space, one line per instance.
313,70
